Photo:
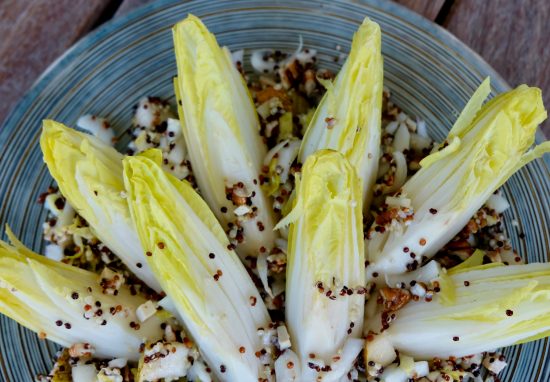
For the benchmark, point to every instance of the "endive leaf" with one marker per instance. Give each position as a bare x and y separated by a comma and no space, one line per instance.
486,147
66,305
89,174
473,261
325,270
494,307
348,117
192,257
221,130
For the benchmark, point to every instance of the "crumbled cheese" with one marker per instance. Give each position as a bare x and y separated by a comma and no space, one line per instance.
267,336
54,252
242,210
150,112
146,310
421,369
98,127
154,127
118,363
165,360
391,127
393,373
472,362
263,61
498,203
493,363
419,142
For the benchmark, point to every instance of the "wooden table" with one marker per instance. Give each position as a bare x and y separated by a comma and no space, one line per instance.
512,35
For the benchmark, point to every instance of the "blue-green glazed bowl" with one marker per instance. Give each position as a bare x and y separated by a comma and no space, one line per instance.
430,73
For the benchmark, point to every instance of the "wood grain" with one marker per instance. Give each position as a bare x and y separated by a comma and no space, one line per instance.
130,5
427,8
513,36
34,33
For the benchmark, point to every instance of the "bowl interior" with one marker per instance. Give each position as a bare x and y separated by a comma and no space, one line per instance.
430,73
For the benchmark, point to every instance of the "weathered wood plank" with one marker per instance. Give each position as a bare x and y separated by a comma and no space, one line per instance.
130,5
427,8
34,33
511,35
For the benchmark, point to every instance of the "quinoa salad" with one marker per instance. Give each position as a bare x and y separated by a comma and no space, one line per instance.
325,233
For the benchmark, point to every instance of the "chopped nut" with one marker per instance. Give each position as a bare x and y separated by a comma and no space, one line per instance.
270,92
394,298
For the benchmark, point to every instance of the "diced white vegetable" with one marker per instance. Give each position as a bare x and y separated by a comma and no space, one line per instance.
401,140
380,350
391,127
283,337
393,373
146,310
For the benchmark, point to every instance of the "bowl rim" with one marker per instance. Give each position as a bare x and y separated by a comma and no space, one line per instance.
476,64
